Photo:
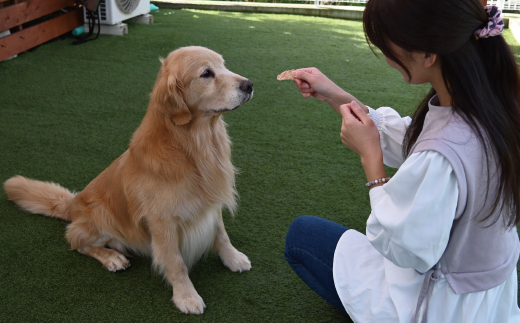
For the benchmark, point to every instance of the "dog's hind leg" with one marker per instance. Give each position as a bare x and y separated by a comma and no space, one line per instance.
231,257
111,259
86,239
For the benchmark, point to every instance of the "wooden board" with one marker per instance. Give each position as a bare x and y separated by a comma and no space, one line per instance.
20,13
36,35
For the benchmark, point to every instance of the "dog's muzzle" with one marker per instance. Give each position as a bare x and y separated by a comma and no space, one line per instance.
245,94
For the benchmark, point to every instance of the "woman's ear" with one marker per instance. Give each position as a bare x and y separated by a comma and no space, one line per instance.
429,59
179,112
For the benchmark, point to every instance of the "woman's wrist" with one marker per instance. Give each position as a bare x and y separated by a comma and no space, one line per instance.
339,97
374,168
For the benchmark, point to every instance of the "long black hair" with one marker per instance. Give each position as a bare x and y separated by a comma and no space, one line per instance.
481,75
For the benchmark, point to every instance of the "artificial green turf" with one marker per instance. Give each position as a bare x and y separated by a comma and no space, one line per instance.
66,112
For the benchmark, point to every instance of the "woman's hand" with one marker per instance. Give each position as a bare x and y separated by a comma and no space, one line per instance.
313,83
359,133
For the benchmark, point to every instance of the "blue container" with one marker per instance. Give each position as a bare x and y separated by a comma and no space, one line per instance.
78,31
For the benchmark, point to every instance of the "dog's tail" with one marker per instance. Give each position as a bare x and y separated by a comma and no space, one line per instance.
37,197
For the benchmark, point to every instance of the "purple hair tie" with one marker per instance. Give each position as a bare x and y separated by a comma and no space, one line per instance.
495,24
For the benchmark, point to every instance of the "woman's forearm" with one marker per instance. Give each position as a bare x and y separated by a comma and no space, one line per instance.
342,97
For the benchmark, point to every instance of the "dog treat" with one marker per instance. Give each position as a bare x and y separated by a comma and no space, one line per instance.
285,75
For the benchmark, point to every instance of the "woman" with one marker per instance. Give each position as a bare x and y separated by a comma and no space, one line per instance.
441,241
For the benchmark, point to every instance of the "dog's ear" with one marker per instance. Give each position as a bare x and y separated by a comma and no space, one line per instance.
180,114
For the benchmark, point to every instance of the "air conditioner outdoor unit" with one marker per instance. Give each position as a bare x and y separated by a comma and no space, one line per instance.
113,12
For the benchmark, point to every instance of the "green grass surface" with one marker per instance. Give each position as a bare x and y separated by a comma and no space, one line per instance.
66,112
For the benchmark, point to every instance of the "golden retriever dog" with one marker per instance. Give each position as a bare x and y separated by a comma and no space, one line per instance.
163,197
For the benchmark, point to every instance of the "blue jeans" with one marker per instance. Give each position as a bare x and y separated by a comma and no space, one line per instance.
309,249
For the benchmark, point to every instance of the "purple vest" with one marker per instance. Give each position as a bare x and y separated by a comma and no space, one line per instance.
479,255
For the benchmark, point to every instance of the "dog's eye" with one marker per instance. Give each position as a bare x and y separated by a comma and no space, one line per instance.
207,73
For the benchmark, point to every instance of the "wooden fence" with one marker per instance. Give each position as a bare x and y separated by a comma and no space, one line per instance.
34,22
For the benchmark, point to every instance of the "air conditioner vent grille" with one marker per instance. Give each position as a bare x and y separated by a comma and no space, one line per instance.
127,6
103,11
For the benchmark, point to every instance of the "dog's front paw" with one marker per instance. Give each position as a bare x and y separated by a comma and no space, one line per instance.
236,261
189,304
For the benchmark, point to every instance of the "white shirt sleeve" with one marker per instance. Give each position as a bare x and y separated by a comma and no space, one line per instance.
413,213
392,128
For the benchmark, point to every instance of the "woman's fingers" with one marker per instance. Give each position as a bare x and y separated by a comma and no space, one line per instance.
358,131
312,83
344,110
353,110
305,73
358,112
301,85
347,114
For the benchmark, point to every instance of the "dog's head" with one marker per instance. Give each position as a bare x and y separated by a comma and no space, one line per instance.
193,81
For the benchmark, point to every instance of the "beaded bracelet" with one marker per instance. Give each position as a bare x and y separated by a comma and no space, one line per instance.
377,181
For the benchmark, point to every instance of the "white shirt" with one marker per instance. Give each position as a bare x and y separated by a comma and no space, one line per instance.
376,274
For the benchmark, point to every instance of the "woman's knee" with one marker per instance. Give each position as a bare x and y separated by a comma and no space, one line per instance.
313,232
306,226
301,224
297,227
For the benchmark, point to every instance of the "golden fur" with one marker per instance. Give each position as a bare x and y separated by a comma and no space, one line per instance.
164,196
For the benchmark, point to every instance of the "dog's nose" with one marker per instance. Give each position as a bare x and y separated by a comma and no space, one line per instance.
246,86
